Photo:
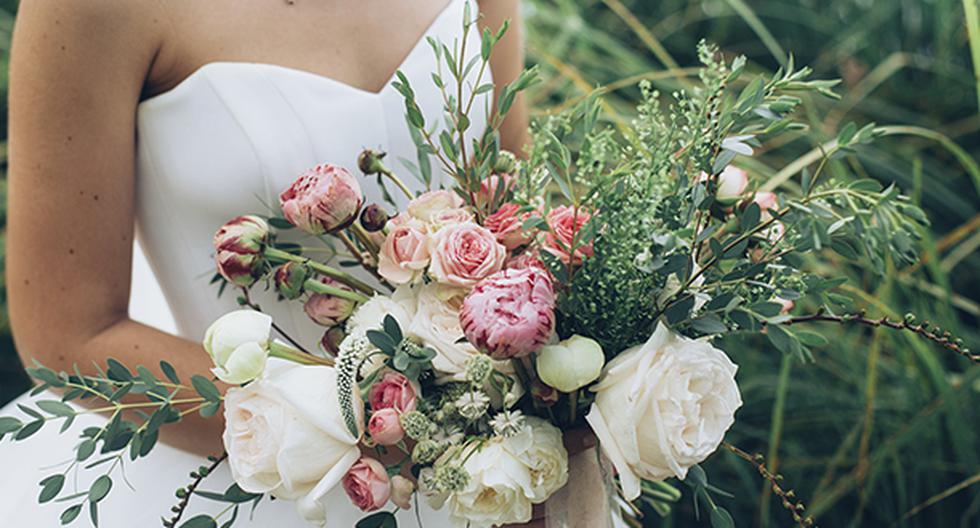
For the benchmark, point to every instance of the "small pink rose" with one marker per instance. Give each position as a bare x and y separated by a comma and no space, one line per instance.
385,427
511,313
322,200
563,225
529,258
507,225
465,253
405,252
329,310
238,247
393,391
367,484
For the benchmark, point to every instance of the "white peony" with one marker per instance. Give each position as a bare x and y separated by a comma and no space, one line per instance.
285,435
540,448
498,491
663,406
238,343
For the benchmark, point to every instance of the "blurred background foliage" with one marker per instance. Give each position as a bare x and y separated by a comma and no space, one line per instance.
881,429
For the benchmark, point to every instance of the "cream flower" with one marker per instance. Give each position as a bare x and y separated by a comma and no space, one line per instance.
498,490
663,406
540,448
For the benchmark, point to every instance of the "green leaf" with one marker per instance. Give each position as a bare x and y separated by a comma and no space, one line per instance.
118,371
381,519
170,372
709,324
85,450
201,521
750,217
9,424
720,518
383,341
100,488
56,408
812,339
51,487
70,514
205,388
29,430
392,329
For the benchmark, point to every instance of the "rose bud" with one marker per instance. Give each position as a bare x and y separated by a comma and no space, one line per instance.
330,342
507,224
731,184
367,484
238,247
329,310
369,161
393,391
506,162
766,201
563,224
385,427
322,200
289,279
401,492
374,218
544,394
571,364
238,343
510,313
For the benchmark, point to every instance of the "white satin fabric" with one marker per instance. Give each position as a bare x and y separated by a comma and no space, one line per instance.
226,141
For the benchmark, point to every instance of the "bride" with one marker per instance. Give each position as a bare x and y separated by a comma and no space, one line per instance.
174,117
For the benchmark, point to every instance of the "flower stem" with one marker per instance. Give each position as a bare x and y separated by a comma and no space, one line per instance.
315,286
321,268
572,406
283,351
398,182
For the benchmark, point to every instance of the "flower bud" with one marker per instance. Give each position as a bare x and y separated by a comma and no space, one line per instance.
238,343
331,340
401,492
369,161
238,247
506,162
544,394
329,310
571,364
374,218
385,428
426,451
289,279
322,200
731,184
416,425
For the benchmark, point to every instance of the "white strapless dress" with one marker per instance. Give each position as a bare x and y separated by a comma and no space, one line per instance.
225,142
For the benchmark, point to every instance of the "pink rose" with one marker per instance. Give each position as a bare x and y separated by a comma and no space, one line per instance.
489,195
766,201
393,391
465,253
322,200
563,224
405,252
507,225
238,247
385,427
530,258
367,484
329,310
427,205
510,314
401,492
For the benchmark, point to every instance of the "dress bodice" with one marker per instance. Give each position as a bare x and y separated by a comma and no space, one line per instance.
233,135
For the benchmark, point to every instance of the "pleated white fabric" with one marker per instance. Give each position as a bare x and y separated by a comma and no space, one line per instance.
225,142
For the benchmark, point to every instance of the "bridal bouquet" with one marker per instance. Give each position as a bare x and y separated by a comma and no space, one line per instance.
574,291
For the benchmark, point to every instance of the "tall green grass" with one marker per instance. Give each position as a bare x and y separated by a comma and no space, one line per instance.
881,429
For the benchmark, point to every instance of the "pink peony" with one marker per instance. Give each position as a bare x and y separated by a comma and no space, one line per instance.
367,484
329,310
322,200
427,205
404,254
393,391
511,313
507,225
563,224
385,427
463,254
238,247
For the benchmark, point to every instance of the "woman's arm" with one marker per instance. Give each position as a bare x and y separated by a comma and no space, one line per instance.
77,71
507,62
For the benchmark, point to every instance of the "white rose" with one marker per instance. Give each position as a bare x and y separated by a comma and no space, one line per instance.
663,406
285,434
238,343
436,323
498,491
541,449
371,315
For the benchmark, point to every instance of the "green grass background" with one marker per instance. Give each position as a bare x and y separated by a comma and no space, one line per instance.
882,429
